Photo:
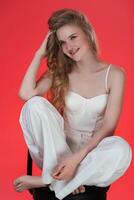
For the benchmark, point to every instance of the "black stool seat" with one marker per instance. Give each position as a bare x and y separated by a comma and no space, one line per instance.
91,193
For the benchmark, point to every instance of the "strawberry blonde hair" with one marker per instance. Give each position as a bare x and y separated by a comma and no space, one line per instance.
59,64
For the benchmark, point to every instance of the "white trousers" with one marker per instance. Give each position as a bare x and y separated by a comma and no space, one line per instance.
43,129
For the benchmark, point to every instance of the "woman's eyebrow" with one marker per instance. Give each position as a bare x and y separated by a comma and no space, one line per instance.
71,35
68,37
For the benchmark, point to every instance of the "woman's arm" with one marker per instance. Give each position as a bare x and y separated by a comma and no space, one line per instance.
29,86
68,166
112,113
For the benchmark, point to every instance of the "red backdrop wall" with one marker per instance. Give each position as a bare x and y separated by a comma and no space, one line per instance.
23,27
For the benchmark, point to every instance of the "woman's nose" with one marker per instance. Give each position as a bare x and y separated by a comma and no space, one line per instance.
69,46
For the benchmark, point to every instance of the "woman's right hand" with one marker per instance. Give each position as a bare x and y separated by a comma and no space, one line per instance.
42,49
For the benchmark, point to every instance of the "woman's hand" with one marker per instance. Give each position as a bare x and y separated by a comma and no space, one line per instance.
67,168
42,49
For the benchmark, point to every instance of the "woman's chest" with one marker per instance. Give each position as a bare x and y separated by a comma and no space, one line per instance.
87,86
77,104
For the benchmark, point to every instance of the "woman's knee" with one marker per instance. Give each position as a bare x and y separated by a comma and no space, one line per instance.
36,103
123,151
35,100
42,107
31,108
118,147
122,145
116,143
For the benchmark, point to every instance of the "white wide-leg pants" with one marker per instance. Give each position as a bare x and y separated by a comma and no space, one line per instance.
43,129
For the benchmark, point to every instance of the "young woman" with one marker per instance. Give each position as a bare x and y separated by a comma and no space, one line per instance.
70,135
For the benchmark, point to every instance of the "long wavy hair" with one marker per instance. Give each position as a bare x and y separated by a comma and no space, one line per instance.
59,64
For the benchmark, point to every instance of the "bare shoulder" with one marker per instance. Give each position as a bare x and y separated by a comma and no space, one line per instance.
117,75
117,70
116,96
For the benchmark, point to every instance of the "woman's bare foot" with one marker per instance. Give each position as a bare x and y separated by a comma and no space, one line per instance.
27,182
80,189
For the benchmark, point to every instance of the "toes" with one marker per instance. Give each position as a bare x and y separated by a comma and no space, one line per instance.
82,189
16,182
76,191
19,188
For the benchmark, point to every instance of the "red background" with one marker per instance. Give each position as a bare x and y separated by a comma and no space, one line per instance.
23,27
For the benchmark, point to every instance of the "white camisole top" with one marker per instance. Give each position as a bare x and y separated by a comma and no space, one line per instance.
83,116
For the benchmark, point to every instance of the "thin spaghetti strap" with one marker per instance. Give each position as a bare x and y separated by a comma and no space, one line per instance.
106,78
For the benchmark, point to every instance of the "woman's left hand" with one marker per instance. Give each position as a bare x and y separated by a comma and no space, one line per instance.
67,167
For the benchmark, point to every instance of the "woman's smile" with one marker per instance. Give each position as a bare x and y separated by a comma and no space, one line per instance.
72,39
73,52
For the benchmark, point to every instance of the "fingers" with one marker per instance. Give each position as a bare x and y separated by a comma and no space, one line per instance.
58,170
49,33
58,176
61,176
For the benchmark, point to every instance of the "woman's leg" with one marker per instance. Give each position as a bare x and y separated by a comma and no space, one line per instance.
43,129
102,166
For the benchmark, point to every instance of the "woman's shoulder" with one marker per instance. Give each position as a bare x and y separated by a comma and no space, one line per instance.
117,75
117,70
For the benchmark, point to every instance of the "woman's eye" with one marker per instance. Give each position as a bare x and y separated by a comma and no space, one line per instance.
73,37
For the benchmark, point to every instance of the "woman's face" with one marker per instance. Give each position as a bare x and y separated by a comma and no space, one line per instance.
73,41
